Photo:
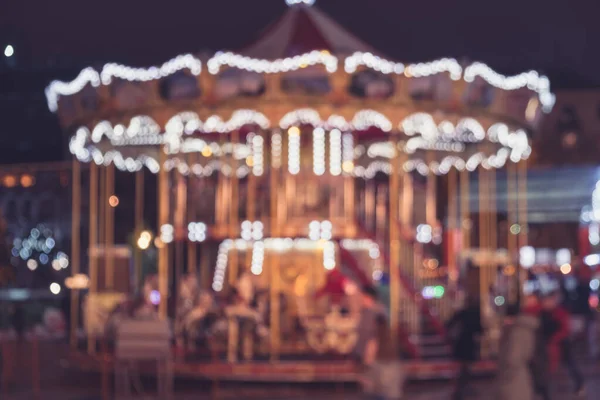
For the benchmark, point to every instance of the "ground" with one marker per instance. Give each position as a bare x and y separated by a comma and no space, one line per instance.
61,382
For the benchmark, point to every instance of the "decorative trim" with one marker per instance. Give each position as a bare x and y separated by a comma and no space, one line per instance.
56,89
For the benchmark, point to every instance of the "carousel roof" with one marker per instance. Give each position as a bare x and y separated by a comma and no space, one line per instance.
177,104
303,29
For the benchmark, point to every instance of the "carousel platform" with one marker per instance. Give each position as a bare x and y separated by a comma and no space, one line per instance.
282,371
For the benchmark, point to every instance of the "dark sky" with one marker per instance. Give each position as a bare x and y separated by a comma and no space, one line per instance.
558,37
511,35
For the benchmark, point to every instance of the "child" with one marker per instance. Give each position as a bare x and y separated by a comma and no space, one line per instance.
384,375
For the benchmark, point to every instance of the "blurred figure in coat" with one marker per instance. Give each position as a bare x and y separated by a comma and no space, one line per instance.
514,380
560,347
465,328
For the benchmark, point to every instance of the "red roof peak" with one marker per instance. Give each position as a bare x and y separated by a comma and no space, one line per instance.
303,29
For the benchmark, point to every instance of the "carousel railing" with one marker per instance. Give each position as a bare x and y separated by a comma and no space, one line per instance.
422,307
349,260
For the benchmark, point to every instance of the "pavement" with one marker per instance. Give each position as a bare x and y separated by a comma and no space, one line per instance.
61,382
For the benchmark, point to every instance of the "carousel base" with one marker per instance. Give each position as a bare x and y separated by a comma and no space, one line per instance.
282,371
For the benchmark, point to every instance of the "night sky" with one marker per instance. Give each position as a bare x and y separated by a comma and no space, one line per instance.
557,37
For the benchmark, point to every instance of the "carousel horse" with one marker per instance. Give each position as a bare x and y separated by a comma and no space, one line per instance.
186,299
141,308
336,330
138,308
199,321
246,318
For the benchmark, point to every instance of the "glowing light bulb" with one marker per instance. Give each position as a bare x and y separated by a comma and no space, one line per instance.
9,51
113,201
296,2
55,288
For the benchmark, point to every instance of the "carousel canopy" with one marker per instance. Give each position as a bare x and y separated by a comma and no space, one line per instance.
303,29
305,72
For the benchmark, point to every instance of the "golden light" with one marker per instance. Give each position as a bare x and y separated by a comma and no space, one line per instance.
510,270
565,269
206,151
300,286
569,140
325,52
294,131
432,263
9,181
159,244
143,244
347,166
146,235
532,108
144,240
250,161
27,181
113,201
77,282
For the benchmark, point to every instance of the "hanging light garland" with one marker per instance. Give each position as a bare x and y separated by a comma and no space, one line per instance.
424,132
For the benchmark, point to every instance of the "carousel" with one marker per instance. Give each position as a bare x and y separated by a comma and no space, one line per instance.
288,175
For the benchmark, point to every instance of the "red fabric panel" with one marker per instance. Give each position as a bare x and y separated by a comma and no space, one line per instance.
584,241
452,239
306,36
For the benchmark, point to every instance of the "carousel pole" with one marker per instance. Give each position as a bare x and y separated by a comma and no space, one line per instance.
234,212
275,276
192,249
465,198
431,193
522,216
381,214
394,246
350,209
430,216
205,270
407,250
219,220
492,267
75,247
483,232
102,206
290,180
222,192
110,228
139,224
163,250
93,243
407,200
453,225
251,195
369,205
512,204
179,219
483,244
493,223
